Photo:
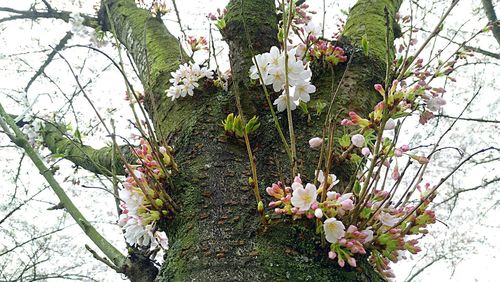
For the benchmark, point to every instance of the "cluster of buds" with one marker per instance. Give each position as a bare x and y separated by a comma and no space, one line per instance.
326,51
158,8
137,97
218,18
374,227
302,15
197,43
144,201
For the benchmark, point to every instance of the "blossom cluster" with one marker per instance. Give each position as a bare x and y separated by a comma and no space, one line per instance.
143,201
157,8
185,80
380,229
273,69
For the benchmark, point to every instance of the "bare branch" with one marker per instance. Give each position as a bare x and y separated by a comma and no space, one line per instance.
49,59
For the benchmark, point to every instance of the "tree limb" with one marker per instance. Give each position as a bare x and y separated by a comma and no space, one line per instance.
34,14
94,160
49,59
492,17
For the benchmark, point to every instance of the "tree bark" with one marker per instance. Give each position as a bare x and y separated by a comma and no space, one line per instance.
216,235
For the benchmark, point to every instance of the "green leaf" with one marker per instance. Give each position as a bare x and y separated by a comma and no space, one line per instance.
345,140
356,188
365,213
320,106
356,159
252,125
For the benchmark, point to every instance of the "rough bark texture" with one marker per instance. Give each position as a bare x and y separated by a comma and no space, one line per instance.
216,236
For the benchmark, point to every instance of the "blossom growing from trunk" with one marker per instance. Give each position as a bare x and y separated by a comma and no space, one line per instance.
334,230
185,80
303,198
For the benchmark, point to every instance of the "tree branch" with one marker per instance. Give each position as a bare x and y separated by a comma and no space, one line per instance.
94,160
34,14
49,59
492,18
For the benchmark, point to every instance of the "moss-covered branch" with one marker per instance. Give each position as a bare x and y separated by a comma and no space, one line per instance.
95,160
155,51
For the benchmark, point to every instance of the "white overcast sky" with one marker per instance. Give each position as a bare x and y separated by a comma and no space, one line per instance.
108,92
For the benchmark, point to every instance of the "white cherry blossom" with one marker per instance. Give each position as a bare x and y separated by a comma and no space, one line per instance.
334,230
303,198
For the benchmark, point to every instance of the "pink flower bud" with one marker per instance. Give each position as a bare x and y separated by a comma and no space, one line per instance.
358,140
341,262
395,173
380,89
365,151
347,205
405,148
310,216
398,152
346,122
332,255
351,261
314,205
351,229
315,142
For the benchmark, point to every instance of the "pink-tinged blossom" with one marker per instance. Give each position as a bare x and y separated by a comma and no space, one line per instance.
303,198
358,140
405,148
365,151
369,235
334,230
315,142
387,219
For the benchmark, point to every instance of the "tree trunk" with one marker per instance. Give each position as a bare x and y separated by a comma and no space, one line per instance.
217,235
